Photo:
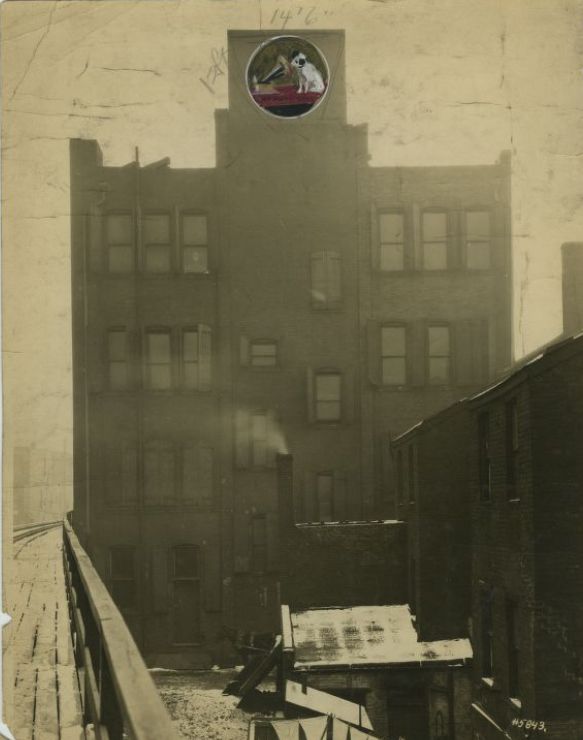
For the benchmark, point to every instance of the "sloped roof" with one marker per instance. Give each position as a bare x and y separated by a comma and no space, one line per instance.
366,636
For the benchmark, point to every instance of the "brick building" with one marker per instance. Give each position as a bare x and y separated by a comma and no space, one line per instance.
292,298
527,512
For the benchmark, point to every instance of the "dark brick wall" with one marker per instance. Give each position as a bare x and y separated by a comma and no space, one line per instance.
557,411
438,522
345,565
529,549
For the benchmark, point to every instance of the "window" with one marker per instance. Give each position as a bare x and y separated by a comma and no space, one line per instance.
158,360
512,449
197,474
121,475
156,240
254,442
328,396
263,354
185,595
478,240
486,656
434,240
194,243
325,496
399,475
438,345
159,473
117,353
513,649
326,279
120,242
392,241
259,544
411,473
259,439
394,355
484,456
122,576
196,358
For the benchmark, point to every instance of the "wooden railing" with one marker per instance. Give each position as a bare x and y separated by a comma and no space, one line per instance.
119,697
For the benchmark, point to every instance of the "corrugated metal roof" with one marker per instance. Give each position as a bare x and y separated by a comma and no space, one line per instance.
366,635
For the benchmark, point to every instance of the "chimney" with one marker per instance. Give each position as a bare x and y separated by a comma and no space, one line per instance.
572,287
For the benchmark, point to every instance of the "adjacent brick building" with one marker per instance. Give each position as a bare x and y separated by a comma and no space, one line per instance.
527,512
292,298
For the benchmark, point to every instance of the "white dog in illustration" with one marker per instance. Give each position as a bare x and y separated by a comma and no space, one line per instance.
310,78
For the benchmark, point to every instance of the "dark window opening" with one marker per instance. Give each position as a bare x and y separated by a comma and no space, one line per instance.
513,649
325,496
484,456
411,473
486,632
512,449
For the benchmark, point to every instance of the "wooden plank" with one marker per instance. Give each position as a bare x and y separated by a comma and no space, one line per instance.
44,653
73,733
64,640
70,712
24,692
46,716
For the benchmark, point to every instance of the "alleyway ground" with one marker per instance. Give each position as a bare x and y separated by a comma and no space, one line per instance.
198,708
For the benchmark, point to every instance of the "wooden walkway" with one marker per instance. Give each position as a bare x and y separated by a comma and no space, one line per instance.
47,703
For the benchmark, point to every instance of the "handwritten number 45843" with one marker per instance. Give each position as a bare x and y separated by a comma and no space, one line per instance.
529,724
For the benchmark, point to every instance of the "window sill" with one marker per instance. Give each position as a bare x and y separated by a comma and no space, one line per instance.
513,500
458,270
489,682
515,702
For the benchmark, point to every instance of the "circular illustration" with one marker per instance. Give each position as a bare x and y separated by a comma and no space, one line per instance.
287,76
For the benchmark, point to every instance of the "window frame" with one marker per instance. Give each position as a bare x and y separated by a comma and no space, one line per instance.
184,246
466,241
197,449
160,446
328,372
404,356
446,242
326,256
147,364
196,580
265,343
512,649
145,245
125,362
109,245
404,243
450,356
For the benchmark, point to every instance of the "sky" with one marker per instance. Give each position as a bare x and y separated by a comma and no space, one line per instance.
439,82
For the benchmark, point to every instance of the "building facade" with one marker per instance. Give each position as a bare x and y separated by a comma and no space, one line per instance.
293,298
526,485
